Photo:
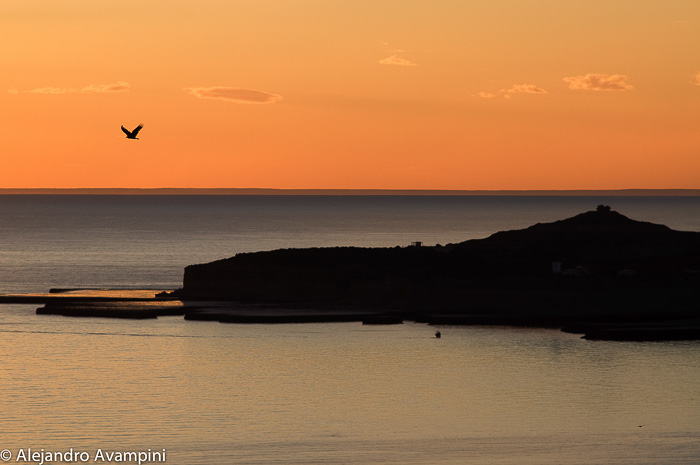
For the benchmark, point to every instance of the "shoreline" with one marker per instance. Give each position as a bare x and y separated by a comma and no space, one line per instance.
102,303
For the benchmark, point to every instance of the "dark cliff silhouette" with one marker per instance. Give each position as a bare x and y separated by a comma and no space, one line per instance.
597,266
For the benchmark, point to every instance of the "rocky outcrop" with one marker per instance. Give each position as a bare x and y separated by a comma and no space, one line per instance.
596,266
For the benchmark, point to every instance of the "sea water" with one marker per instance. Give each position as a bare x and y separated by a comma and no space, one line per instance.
144,241
211,393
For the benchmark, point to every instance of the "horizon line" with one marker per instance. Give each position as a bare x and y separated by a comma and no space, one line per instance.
275,191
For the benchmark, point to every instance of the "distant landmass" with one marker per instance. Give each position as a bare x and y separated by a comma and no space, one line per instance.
598,272
266,191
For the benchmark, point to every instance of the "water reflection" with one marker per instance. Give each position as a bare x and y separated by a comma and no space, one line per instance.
344,393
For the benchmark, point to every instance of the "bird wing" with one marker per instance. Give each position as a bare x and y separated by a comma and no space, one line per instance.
136,131
126,131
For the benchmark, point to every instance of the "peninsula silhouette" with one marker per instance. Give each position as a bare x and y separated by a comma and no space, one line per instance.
596,271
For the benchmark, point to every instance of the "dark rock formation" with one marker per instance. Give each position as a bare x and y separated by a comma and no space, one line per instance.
102,303
109,309
596,266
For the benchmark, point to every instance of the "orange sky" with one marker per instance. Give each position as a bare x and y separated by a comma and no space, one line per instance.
392,94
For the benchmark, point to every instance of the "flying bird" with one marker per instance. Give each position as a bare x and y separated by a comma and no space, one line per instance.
134,133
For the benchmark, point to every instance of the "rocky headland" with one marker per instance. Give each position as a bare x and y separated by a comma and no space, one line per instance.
599,273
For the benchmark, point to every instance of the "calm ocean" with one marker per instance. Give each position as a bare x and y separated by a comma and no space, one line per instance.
210,393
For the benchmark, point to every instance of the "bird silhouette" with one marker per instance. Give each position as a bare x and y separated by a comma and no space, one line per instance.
134,133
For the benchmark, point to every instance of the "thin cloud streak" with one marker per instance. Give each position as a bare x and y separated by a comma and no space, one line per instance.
234,95
120,86
596,82
395,60
524,89
106,88
515,89
50,90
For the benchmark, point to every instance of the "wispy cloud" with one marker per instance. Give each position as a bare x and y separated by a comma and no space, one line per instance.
396,60
696,79
396,57
120,86
598,82
524,89
234,95
514,89
50,90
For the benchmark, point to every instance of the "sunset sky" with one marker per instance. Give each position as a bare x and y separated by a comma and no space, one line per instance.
384,94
